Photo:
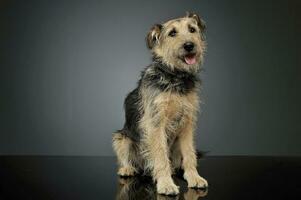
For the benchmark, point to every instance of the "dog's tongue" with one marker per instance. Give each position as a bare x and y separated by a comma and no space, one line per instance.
190,59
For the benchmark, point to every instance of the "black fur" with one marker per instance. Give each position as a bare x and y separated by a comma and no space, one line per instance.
159,77
176,80
132,115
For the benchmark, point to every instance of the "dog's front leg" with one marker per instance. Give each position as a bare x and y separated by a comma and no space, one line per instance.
189,162
158,160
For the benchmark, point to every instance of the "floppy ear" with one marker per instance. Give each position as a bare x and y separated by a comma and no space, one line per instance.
201,23
153,35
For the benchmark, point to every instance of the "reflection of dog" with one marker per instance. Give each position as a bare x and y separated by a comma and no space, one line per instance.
161,112
136,188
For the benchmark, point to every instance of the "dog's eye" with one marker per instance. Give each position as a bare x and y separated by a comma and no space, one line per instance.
192,30
172,33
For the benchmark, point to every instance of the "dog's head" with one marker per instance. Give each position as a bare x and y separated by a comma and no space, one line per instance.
179,43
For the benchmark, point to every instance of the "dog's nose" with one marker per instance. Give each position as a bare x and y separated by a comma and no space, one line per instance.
188,46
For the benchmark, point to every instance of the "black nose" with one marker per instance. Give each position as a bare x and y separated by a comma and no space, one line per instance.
188,46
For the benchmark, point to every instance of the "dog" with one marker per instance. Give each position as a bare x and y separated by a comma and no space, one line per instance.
161,112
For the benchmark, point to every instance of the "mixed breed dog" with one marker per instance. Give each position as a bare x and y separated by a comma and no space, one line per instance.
161,112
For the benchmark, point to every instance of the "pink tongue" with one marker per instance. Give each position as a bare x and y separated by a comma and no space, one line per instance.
190,60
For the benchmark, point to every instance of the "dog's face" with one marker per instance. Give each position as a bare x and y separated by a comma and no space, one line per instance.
179,43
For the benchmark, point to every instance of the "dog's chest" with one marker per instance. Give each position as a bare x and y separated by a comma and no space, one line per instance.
177,109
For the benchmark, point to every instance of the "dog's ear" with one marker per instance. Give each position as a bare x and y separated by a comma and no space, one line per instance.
153,35
200,22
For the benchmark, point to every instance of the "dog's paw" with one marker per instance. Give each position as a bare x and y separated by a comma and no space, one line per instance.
166,186
195,181
126,171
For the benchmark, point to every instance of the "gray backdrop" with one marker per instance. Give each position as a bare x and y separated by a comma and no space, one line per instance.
66,67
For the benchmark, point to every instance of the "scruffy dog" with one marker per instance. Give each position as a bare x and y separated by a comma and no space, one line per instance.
161,112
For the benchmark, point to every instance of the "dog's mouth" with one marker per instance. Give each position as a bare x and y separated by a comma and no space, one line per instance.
190,59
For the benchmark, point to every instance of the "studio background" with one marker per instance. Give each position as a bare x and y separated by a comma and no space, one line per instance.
66,66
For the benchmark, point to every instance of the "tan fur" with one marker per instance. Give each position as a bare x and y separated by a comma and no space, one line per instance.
159,128
166,45
122,147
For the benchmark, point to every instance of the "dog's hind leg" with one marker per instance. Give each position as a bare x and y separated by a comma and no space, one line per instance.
122,145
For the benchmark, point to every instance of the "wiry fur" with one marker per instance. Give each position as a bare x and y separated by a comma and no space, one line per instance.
161,112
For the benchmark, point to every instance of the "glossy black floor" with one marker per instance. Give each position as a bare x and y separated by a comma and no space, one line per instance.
52,177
